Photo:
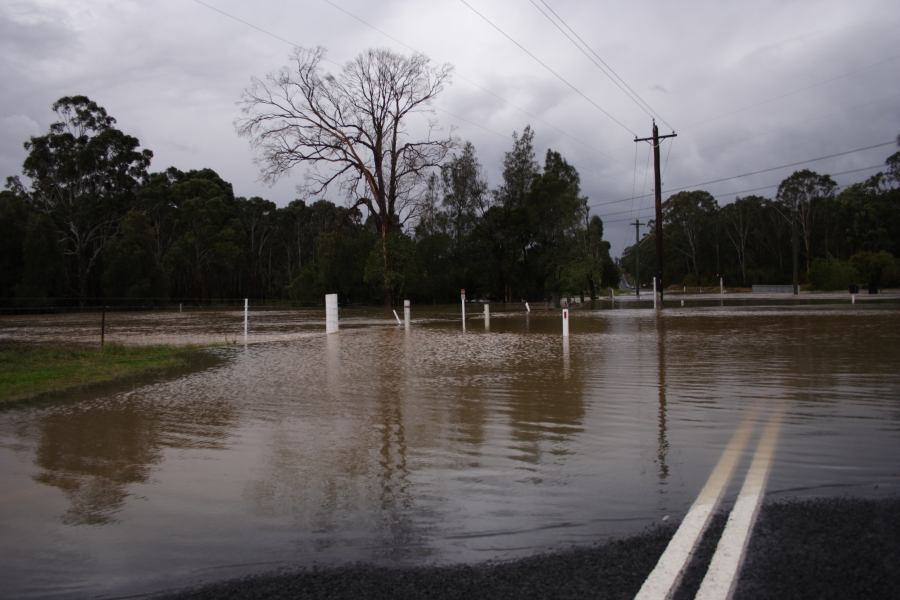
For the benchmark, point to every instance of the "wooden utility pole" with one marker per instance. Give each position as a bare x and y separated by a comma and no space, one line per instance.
657,180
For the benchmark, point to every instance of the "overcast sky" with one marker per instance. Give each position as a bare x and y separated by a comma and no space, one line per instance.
745,85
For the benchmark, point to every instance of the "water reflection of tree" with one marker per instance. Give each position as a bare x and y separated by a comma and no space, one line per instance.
92,453
336,469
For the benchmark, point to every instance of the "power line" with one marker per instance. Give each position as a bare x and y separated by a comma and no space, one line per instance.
474,124
598,61
550,69
456,116
247,23
634,177
645,181
749,190
757,172
668,152
471,82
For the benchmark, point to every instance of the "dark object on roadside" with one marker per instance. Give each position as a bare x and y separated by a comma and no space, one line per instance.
854,288
873,287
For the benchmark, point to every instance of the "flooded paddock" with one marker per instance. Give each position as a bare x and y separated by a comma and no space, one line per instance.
429,444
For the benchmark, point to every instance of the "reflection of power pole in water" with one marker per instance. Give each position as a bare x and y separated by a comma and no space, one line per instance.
657,179
637,258
662,449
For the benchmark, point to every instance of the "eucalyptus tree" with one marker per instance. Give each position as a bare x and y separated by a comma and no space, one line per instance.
83,174
800,195
688,221
13,227
741,222
354,129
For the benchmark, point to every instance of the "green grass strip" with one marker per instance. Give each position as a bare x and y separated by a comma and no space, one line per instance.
28,371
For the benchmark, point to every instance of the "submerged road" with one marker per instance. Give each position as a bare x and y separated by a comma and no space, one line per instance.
821,548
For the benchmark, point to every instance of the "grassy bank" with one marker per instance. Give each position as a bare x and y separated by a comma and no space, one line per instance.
28,371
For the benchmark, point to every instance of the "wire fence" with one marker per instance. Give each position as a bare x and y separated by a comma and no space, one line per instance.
19,305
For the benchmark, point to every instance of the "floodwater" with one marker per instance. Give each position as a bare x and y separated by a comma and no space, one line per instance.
429,444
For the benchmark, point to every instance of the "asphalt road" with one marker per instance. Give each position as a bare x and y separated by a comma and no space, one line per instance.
827,548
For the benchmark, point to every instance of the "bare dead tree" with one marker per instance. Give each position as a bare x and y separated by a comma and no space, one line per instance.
352,129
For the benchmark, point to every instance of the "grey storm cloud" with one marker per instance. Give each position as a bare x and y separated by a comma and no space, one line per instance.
746,86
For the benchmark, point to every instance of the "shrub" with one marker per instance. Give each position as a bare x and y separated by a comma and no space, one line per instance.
832,274
878,268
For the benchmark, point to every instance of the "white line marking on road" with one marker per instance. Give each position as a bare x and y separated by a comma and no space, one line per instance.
664,579
720,579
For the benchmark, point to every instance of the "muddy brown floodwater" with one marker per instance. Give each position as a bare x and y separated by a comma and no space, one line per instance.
429,445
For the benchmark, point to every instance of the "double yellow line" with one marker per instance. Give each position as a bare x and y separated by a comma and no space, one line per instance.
722,573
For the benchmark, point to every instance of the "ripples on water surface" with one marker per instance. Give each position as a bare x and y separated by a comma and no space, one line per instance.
429,444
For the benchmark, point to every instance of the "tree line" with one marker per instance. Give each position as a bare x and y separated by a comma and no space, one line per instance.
835,239
88,222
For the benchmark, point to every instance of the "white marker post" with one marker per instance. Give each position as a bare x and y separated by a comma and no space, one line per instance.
565,322
487,316
407,313
527,308
462,301
246,317
396,316
331,313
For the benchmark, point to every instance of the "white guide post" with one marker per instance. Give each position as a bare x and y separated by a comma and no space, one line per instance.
331,313
246,316
722,286
487,316
407,313
527,308
462,301
565,322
